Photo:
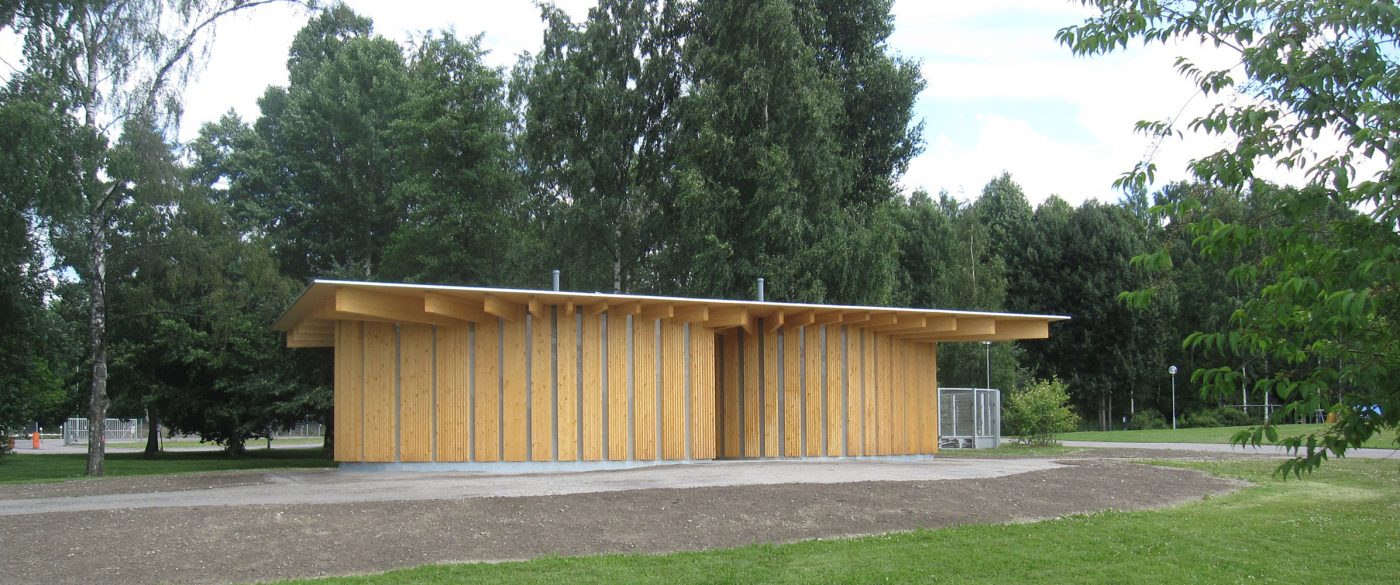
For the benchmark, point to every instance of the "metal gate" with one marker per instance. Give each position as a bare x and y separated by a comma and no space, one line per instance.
76,430
969,418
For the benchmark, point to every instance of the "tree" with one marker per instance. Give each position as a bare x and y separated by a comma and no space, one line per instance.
773,177
1077,262
945,262
35,351
1323,307
597,112
1040,411
459,188
191,296
108,61
326,179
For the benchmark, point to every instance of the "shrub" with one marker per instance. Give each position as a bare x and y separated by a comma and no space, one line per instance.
1148,419
1200,419
1233,417
1039,411
1224,416
4,443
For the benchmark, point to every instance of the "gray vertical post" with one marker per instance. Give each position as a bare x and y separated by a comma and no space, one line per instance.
760,290
556,280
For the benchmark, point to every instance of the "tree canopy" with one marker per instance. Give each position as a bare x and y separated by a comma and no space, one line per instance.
1320,272
681,147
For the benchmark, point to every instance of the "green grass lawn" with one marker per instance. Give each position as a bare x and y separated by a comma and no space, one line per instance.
1337,526
1008,450
187,443
29,468
1206,435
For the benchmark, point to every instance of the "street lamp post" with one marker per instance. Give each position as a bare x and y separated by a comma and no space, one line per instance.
1172,371
988,346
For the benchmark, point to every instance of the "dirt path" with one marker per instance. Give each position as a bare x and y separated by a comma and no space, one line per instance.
326,486
236,544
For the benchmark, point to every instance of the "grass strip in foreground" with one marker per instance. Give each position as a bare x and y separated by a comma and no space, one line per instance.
30,468
1336,526
1384,440
1009,450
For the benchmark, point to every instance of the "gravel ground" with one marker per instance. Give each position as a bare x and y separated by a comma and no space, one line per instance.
246,543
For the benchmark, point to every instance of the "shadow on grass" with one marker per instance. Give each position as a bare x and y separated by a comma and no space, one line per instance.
30,468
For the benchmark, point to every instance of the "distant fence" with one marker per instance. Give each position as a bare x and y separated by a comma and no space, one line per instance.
969,418
75,431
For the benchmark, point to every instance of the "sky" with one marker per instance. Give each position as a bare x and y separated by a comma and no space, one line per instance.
1002,94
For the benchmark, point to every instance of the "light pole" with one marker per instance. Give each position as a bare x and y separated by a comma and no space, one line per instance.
988,345
1172,371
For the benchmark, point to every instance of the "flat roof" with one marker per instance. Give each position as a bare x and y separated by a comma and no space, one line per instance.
326,301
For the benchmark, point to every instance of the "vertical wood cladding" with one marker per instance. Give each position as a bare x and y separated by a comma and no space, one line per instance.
584,385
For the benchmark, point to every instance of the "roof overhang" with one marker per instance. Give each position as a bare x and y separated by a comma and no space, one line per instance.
310,321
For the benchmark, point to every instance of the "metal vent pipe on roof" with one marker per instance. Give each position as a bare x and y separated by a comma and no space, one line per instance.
556,280
760,290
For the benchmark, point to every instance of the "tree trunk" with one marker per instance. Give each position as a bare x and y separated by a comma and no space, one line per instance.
97,263
152,434
97,342
617,260
328,427
236,446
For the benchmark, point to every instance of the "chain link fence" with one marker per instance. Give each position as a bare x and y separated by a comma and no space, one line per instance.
75,431
969,418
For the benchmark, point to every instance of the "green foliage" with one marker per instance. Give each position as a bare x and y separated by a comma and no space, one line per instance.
1036,413
1321,303
1147,420
1075,261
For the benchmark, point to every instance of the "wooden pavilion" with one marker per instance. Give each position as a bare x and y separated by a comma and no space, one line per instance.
482,376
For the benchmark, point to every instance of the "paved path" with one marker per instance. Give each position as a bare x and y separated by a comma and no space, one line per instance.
330,486
1219,448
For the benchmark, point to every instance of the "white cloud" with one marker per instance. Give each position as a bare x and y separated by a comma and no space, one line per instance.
249,51
1002,55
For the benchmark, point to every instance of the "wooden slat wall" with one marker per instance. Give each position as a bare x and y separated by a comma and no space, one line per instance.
514,437
792,392
732,425
702,393
453,415
855,441
899,432
380,339
885,388
407,392
349,390
644,375
568,387
592,389
870,402
753,393
835,408
488,391
931,387
812,390
415,392
913,399
541,388
672,390
619,415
